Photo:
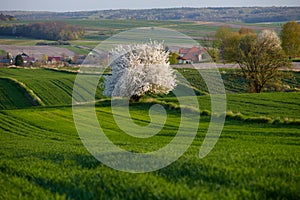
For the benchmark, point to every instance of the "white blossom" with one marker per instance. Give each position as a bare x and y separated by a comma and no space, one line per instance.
138,69
270,38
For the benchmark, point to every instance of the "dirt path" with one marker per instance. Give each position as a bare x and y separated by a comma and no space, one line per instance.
295,67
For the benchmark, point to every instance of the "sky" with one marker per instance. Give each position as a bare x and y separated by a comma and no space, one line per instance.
73,5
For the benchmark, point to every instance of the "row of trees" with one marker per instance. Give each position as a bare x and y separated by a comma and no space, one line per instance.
259,55
44,30
222,14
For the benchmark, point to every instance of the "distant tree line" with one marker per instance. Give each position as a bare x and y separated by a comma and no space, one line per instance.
7,17
233,14
43,30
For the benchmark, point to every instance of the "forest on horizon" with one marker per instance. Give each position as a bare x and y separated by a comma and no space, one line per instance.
221,14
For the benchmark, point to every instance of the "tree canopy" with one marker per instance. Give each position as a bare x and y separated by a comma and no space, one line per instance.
228,41
260,58
19,60
290,36
139,69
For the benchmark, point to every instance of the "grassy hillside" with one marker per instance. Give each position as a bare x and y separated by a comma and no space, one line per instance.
42,156
274,105
12,96
233,82
53,88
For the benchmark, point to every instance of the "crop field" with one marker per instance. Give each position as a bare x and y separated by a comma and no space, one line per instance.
10,40
42,156
53,88
80,51
99,30
270,105
12,96
59,86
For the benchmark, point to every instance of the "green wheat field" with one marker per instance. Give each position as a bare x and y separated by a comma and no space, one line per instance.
42,156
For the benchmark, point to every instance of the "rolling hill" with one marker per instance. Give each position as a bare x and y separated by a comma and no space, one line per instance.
43,157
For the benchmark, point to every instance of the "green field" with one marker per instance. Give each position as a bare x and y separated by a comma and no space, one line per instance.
12,95
99,30
53,88
10,40
42,156
41,160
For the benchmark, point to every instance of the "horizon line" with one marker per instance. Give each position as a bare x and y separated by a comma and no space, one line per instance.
155,8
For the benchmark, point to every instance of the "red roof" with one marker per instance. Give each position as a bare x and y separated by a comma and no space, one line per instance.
191,54
184,50
54,59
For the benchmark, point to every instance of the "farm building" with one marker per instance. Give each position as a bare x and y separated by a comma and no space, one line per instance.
190,55
27,58
54,59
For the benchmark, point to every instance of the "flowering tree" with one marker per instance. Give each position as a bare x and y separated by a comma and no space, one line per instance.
138,69
260,58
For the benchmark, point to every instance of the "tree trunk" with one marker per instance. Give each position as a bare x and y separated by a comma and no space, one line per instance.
135,98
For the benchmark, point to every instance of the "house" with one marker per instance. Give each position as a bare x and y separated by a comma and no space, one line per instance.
190,55
54,59
27,58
